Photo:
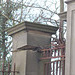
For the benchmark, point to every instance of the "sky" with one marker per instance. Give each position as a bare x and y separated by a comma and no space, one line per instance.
36,11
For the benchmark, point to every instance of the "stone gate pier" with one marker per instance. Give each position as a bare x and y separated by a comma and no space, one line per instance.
70,43
28,37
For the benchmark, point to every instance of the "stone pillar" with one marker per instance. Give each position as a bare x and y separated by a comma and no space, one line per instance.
27,39
70,43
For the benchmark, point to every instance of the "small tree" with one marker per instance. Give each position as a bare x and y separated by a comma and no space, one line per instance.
3,35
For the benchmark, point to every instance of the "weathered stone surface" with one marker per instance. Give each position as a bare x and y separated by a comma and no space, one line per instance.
70,43
27,37
63,16
69,1
20,59
32,67
29,34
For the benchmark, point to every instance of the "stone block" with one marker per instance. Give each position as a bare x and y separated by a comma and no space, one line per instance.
29,35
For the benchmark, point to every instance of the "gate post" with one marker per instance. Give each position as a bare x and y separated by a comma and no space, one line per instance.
27,39
70,43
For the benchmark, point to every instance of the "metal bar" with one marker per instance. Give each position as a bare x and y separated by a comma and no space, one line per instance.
50,69
14,69
58,52
52,57
8,68
60,68
3,69
61,52
54,61
47,69
54,48
47,54
44,69
51,53
63,68
57,68
55,53
53,67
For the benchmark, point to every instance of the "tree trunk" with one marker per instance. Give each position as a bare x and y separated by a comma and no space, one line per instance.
61,22
61,35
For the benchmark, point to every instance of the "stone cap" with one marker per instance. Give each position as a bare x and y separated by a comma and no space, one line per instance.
63,16
31,26
69,1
